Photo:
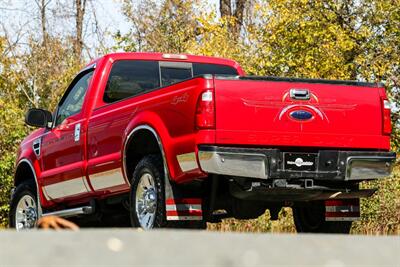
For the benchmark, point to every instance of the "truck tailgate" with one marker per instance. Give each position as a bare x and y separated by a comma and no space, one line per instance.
267,112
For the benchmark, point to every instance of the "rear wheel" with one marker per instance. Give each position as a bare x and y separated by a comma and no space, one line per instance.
23,208
146,197
310,218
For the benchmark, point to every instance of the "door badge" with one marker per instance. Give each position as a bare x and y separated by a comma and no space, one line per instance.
77,132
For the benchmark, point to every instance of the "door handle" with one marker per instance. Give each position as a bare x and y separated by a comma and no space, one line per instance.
63,127
299,94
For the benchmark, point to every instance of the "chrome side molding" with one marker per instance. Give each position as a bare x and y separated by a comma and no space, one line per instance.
187,162
85,210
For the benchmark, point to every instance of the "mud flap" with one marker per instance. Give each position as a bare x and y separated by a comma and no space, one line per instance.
342,210
183,202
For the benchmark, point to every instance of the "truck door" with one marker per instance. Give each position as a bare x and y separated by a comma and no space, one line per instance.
127,79
63,147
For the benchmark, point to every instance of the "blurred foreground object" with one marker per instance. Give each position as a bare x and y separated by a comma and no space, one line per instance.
56,223
126,247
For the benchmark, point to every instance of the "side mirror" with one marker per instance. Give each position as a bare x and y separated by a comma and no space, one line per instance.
38,118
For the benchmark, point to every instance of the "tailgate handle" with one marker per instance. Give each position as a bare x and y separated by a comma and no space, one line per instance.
299,94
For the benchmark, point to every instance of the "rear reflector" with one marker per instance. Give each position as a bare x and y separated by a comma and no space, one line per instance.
342,210
205,110
386,121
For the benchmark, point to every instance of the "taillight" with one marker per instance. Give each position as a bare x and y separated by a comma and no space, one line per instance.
205,110
387,124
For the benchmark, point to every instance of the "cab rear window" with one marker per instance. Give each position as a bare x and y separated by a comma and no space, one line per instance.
170,75
134,77
201,68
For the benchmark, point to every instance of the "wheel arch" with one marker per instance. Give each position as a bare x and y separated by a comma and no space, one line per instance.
142,140
25,172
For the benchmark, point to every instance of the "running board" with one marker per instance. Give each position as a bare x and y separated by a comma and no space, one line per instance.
71,212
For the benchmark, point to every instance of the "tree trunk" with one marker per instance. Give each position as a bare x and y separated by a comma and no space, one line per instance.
80,13
43,20
225,8
239,11
42,5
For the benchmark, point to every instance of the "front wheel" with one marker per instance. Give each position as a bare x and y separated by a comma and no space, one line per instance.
23,207
310,218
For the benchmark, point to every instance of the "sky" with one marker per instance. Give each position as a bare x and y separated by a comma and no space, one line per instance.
114,21
22,14
110,10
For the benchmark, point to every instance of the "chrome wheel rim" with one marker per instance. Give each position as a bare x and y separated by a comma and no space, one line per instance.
146,201
25,213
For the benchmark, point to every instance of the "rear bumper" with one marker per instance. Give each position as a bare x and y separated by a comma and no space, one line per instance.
270,164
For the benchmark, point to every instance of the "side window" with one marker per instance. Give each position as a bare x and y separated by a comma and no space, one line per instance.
72,102
174,75
173,72
201,68
131,77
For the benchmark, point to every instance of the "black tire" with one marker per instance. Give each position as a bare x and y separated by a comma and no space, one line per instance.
153,165
310,218
27,188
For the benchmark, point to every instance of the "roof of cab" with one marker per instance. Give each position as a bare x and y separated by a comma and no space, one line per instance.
168,57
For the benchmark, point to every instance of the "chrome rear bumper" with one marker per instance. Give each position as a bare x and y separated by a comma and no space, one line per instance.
235,164
268,163
368,167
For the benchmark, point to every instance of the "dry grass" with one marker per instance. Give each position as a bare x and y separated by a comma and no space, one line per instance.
380,214
263,224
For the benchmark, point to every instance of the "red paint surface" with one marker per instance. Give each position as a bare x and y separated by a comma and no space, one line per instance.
342,214
343,202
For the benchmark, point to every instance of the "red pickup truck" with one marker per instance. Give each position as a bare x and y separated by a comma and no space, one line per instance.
179,140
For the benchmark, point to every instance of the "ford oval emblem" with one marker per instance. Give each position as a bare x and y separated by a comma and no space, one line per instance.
301,115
